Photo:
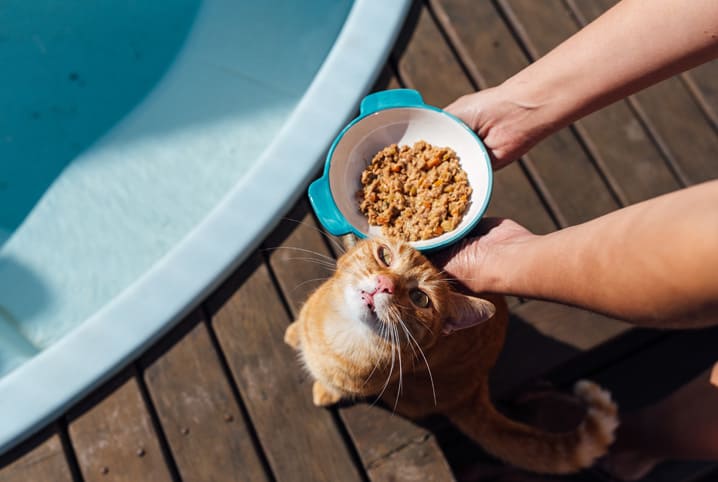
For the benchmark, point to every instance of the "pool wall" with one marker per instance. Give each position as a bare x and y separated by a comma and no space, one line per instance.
45,385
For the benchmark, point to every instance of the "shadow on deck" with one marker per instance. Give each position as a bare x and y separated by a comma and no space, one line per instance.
222,398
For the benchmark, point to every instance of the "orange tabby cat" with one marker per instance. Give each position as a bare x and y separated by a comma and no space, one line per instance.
388,325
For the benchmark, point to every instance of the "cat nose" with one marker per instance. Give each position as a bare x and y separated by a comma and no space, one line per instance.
384,284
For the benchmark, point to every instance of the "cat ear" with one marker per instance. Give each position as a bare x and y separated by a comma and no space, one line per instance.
466,311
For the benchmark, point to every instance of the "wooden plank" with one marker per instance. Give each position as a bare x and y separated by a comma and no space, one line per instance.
672,116
586,11
554,164
542,336
701,81
387,80
655,372
386,455
298,256
606,354
577,191
41,459
399,449
616,139
481,38
579,328
114,439
659,369
300,441
527,354
678,121
200,417
426,63
703,84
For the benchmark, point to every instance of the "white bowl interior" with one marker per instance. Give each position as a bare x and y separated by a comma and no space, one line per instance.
405,126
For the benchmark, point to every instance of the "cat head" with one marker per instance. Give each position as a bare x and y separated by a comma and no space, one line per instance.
397,293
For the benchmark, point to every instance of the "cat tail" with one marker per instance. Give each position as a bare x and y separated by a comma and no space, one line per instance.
536,450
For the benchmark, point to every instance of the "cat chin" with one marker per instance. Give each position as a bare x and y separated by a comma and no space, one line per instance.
354,308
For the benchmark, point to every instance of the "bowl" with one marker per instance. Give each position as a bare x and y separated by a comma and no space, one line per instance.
397,116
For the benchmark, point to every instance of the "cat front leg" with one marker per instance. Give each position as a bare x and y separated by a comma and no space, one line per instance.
323,396
291,335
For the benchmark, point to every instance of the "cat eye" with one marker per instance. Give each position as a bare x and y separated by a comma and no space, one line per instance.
419,298
384,255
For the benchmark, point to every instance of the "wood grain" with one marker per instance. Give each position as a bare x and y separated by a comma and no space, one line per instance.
426,63
37,461
115,440
614,136
672,116
543,336
204,426
579,328
301,442
703,84
399,450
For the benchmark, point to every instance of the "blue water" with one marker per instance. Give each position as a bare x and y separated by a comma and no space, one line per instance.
113,147
71,70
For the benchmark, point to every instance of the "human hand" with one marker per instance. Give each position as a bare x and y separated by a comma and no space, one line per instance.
505,125
476,262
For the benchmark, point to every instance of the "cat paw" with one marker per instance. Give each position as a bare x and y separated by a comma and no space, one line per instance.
324,397
602,414
291,336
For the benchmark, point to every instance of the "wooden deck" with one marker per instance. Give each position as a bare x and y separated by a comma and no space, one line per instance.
221,397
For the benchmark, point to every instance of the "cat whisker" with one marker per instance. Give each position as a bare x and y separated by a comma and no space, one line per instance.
322,263
328,236
366,380
379,358
426,362
401,373
428,328
308,281
319,255
391,368
396,318
414,356
450,279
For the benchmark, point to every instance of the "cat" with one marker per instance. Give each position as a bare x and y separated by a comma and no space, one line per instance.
389,325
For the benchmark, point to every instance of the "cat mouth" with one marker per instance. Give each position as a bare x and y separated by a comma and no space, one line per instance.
369,314
375,310
368,308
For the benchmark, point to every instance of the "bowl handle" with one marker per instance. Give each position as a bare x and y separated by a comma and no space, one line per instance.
326,209
386,99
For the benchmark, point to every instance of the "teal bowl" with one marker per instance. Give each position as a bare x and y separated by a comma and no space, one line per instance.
397,116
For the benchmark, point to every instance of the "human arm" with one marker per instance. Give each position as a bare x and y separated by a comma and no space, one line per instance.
631,46
654,263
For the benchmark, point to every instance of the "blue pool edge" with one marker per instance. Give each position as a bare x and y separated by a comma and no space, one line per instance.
40,390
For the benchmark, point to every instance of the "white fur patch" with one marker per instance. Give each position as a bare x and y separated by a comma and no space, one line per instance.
602,411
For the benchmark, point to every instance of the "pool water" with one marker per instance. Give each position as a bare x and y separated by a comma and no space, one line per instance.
146,149
84,213
72,70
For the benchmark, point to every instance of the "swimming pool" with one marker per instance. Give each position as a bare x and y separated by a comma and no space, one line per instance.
145,152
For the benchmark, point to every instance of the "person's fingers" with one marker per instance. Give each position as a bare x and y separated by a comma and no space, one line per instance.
485,225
